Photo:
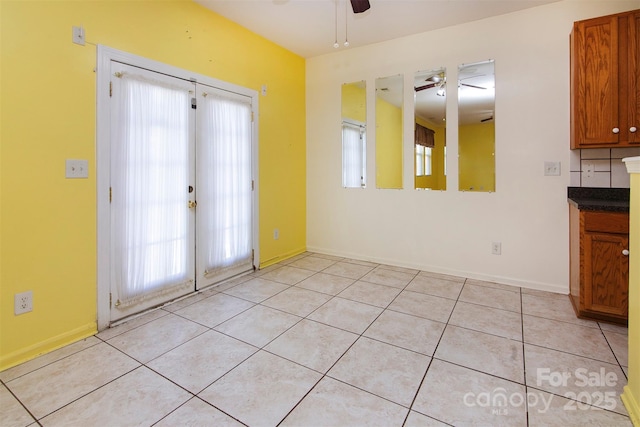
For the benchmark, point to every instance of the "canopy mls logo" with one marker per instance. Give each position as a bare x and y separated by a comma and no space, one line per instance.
597,392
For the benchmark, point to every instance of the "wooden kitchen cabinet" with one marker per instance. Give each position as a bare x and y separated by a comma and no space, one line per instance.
599,264
605,75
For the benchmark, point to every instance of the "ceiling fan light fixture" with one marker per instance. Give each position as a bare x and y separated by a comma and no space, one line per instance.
440,91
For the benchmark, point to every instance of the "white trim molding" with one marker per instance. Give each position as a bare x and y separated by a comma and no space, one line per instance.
633,164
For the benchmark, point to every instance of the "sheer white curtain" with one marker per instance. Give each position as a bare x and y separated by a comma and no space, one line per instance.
353,155
224,190
149,176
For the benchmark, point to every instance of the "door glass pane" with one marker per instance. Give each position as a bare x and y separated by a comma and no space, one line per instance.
151,225
224,189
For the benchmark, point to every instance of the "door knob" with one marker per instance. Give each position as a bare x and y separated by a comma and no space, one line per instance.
616,130
192,204
625,252
633,129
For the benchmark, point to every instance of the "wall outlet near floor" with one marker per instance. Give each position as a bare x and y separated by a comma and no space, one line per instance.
23,302
276,234
76,168
496,248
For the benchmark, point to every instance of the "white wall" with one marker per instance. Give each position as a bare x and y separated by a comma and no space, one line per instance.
451,231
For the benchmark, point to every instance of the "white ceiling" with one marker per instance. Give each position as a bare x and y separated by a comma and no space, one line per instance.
308,27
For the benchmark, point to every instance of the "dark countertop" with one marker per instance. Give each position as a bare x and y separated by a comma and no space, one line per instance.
599,199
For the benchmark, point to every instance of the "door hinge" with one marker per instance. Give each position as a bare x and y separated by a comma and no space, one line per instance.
252,117
110,195
110,300
194,103
253,186
110,89
253,255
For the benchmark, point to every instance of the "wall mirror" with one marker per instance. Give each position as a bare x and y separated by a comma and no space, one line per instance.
476,127
354,132
389,101
430,106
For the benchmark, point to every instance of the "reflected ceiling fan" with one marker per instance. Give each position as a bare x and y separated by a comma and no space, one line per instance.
360,6
472,77
437,80
432,81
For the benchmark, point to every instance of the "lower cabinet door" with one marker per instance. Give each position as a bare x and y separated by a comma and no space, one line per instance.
606,273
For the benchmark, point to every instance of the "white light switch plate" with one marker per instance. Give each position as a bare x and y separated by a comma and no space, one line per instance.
77,168
552,168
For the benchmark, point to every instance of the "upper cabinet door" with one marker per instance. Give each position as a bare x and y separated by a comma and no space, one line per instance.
604,81
633,80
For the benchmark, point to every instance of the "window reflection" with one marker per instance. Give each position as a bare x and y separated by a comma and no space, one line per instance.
354,144
430,94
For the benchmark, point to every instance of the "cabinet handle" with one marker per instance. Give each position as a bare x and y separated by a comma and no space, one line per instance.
625,252
633,129
616,130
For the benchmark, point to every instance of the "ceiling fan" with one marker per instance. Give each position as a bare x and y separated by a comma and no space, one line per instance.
436,80
469,85
360,6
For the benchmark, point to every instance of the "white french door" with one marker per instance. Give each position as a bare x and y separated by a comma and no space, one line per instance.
181,187
224,184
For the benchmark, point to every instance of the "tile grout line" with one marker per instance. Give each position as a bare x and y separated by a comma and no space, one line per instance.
325,374
433,356
524,361
613,352
21,403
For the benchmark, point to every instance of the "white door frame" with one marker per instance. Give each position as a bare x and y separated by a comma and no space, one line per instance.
103,78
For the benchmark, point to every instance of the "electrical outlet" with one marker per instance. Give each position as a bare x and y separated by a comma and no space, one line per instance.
588,169
496,248
23,302
76,168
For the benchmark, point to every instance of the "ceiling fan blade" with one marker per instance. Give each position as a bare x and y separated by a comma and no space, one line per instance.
486,120
360,6
423,87
475,87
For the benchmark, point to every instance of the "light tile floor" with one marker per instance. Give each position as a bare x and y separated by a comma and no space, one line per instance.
320,340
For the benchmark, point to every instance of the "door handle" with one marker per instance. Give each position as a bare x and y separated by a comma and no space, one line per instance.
192,204
625,252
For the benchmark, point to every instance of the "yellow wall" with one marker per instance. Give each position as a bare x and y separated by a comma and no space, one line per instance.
476,157
388,145
631,395
48,114
437,180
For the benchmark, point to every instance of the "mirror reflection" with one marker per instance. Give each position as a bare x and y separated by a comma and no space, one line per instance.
389,101
430,123
476,126
354,127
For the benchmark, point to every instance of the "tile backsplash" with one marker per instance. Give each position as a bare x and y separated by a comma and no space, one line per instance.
601,167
